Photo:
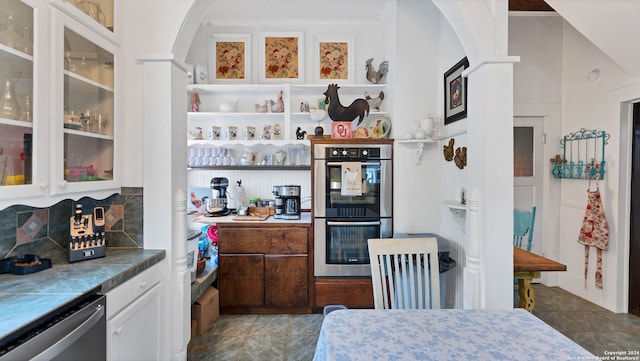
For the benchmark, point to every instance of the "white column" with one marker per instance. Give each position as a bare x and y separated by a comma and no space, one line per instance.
490,174
165,188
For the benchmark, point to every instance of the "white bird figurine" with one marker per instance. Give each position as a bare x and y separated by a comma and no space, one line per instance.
263,108
374,103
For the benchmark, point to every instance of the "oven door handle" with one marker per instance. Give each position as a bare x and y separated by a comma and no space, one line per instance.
373,223
363,163
64,343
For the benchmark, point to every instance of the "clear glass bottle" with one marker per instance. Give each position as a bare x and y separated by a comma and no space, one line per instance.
9,106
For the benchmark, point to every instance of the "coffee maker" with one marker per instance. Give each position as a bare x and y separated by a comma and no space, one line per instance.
216,206
287,202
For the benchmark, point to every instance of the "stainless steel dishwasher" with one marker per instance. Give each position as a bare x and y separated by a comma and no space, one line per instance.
75,331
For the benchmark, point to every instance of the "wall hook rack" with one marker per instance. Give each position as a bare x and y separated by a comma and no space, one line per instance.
583,155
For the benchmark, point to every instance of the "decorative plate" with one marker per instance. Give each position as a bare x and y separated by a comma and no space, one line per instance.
378,126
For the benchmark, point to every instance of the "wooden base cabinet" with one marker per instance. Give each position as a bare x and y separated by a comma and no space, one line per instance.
350,292
264,269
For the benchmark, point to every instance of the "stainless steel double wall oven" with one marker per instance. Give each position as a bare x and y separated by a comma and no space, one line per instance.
345,217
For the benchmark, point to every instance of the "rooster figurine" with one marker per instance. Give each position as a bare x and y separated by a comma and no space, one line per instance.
300,134
263,108
278,107
374,103
376,76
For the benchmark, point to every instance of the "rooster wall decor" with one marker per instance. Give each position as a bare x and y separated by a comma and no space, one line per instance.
461,157
337,112
447,150
376,76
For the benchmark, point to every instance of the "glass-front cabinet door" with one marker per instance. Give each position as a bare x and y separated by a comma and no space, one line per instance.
96,14
85,108
19,121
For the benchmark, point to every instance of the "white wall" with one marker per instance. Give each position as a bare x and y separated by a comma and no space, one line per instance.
596,105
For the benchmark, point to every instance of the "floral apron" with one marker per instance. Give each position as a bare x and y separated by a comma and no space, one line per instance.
594,233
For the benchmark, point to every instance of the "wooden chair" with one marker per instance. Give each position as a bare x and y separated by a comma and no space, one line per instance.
523,223
405,273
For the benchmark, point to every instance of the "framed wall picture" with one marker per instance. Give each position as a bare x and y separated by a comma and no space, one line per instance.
333,59
455,92
230,58
281,57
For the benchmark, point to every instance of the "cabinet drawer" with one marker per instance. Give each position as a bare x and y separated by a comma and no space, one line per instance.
263,240
123,295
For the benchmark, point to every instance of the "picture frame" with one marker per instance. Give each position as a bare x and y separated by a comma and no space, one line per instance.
334,58
455,92
281,57
230,58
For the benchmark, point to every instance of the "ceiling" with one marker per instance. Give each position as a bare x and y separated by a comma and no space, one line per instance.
336,10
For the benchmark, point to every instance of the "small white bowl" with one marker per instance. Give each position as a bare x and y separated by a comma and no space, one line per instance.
317,114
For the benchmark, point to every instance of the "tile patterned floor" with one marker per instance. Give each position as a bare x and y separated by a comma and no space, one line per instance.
598,330
293,337
258,337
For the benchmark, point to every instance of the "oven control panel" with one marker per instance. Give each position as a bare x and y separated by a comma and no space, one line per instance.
347,153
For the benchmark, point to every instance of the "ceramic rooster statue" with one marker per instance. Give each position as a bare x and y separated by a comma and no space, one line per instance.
376,76
337,112
374,103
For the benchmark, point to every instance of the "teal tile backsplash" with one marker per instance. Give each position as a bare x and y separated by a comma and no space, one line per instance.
44,231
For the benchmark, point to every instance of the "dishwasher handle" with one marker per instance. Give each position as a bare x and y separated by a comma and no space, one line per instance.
68,340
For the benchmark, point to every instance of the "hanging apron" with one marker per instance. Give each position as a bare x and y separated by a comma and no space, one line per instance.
594,233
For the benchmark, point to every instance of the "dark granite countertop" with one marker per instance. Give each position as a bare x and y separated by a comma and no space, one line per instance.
24,299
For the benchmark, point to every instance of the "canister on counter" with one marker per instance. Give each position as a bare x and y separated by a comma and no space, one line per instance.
254,202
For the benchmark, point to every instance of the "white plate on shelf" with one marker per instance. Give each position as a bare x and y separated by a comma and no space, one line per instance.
378,126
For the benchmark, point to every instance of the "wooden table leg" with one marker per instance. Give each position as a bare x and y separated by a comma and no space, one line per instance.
526,293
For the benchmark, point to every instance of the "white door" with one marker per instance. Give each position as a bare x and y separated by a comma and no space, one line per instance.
527,171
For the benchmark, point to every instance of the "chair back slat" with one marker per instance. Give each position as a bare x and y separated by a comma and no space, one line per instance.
523,223
405,272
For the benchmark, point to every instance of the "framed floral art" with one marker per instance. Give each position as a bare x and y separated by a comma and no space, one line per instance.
281,57
230,58
333,59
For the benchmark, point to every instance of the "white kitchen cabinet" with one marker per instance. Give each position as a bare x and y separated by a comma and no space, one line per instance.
134,315
55,59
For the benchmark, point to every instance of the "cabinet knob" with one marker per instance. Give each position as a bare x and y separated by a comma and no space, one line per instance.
44,186
118,331
63,184
143,284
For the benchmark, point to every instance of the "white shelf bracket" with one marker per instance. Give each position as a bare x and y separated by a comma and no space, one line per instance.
419,151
